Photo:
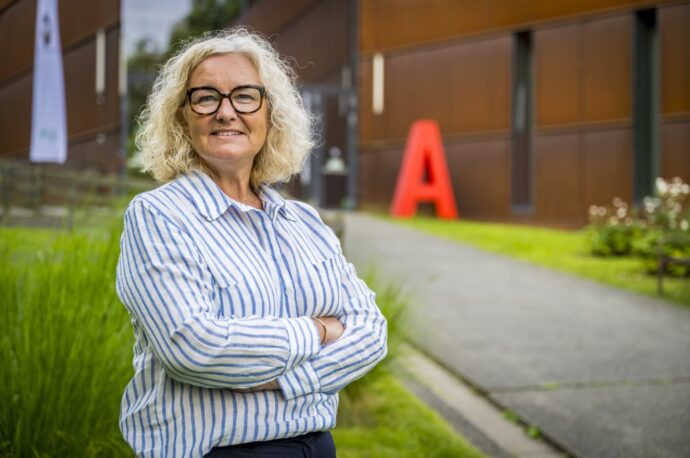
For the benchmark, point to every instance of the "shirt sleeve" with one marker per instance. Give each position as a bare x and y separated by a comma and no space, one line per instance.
356,352
165,285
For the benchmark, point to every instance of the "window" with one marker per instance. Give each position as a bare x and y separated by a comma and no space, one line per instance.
645,104
521,191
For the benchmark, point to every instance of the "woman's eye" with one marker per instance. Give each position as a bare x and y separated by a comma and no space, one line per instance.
244,97
204,99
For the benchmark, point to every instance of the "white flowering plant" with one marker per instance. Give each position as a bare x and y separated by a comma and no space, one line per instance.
620,230
613,229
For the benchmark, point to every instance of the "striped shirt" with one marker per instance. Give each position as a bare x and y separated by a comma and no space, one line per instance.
220,295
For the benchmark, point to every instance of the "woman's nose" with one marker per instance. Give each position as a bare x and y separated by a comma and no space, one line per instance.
226,110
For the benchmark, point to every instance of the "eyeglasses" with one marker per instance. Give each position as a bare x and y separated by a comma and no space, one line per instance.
244,99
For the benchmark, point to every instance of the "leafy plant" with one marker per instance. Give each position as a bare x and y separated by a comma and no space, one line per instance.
613,230
660,225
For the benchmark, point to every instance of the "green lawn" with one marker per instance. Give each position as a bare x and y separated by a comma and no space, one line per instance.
66,349
566,251
389,422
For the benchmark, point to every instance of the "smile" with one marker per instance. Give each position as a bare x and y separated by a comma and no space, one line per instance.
228,133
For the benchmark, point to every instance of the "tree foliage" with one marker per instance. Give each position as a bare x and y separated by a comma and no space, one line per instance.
143,64
206,15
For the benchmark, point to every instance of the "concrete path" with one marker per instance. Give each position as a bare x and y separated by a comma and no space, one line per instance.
472,415
601,372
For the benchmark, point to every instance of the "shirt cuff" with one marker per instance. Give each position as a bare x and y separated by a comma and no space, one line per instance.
299,381
304,340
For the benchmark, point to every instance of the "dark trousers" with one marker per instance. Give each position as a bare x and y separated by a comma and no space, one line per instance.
313,445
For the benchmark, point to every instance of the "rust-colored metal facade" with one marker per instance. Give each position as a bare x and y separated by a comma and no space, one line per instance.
93,122
450,60
315,36
453,61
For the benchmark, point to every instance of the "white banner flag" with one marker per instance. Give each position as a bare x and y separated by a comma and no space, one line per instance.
48,118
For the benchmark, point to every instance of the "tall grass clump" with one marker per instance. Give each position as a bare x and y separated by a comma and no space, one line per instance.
393,302
65,344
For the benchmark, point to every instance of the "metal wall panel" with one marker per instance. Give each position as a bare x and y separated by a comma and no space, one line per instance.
378,172
387,24
84,115
589,5
79,19
501,13
318,40
469,88
392,24
270,16
96,154
608,162
499,62
17,36
675,150
465,87
557,82
480,172
559,179
5,3
548,9
607,69
15,115
674,29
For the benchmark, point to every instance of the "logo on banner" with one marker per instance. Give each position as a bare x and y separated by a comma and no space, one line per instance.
48,116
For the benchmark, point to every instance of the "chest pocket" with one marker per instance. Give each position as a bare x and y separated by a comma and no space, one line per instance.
318,287
237,294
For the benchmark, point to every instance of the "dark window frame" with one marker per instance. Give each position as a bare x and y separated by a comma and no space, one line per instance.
522,125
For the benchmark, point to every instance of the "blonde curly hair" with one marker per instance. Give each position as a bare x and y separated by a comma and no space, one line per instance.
166,149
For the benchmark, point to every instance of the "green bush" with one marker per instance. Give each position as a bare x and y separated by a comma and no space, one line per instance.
621,231
613,231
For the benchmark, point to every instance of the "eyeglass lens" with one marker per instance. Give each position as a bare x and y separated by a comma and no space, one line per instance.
243,100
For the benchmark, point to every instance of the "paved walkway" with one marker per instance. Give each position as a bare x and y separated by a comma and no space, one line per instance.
600,371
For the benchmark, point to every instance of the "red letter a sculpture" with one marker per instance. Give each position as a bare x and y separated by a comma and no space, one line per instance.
424,153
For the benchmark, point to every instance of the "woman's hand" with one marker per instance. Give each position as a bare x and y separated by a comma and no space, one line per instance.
330,329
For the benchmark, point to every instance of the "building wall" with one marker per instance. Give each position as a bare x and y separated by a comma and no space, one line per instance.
451,60
675,90
93,125
314,36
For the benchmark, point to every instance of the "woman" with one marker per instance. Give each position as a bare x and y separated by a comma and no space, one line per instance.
247,318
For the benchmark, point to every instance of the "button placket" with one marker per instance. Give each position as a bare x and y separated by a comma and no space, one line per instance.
277,256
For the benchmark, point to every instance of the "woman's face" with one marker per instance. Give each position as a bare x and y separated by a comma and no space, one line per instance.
226,140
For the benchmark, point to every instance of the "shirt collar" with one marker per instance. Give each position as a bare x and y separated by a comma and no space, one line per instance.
211,202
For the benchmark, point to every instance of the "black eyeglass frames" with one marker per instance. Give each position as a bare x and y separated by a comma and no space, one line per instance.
244,99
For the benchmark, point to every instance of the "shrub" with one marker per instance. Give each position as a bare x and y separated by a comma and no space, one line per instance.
665,217
613,230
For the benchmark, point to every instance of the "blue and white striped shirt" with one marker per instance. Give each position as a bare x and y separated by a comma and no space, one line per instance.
220,296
